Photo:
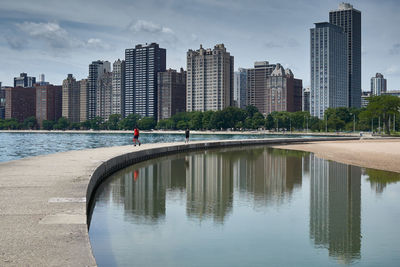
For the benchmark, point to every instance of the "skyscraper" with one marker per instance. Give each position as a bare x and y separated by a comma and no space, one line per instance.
104,95
329,72
96,69
240,88
142,64
2,102
256,84
24,81
306,100
283,91
209,79
350,20
118,87
83,88
48,102
378,84
20,103
71,99
171,93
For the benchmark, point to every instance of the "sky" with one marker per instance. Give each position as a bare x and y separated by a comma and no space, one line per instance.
60,37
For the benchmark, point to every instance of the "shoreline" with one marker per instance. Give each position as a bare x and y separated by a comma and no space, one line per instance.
380,154
194,132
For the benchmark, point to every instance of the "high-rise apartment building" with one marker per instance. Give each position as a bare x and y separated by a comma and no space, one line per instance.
142,64
209,79
71,99
329,72
365,99
118,88
283,91
306,98
349,19
171,93
378,84
20,103
96,69
24,81
240,88
256,84
83,88
104,95
2,103
48,103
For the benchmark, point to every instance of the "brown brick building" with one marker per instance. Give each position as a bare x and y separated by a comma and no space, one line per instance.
48,102
20,103
283,92
171,93
256,84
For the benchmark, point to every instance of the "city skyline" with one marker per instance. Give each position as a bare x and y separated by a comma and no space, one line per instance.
45,39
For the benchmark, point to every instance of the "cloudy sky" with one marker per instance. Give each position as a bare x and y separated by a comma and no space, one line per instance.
60,37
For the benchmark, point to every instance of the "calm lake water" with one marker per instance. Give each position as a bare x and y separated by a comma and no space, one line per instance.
246,207
21,145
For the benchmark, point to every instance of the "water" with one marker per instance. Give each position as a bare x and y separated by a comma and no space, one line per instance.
246,207
21,145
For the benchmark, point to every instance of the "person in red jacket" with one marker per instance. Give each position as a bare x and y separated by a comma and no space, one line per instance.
136,136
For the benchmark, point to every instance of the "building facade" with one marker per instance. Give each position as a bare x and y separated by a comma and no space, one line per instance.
329,72
104,96
71,99
240,88
96,69
2,103
209,79
24,81
306,100
142,64
378,84
83,101
118,88
171,93
48,103
20,103
283,91
349,19
256,84
365,99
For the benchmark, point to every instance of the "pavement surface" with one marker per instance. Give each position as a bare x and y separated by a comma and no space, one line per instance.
43,200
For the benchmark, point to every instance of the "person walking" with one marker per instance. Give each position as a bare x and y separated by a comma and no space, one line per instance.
136,136
187,135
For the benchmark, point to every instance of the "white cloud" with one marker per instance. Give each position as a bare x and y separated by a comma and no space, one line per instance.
392,70
150,27
57,37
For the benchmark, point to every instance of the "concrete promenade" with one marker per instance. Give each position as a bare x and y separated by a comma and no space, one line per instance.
44,199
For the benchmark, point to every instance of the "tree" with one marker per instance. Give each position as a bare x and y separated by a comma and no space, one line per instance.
30,123
206,119
48,125
196,120
147,123
62,124
251,110
269,122
383,107
113,121
129,122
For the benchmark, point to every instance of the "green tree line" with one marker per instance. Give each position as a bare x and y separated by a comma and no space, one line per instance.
381,115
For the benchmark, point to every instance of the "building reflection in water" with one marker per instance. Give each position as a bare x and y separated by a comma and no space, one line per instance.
265,177
335,208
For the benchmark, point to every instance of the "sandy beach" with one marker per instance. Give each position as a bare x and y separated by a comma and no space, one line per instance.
383,154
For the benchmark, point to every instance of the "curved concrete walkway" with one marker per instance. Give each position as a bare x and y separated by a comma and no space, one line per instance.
44,199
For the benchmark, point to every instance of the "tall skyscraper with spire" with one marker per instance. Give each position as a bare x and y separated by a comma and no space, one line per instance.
349,19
